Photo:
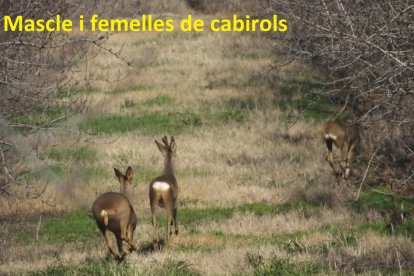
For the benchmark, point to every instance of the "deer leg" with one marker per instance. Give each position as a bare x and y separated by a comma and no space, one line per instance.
344,161
129,238
169,207
108,243
120,249
348,160
154,224
329,157
175,220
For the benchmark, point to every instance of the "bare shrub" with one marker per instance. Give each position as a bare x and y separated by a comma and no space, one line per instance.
366,49
36,79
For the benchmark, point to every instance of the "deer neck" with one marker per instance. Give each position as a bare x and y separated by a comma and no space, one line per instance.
169,167
126,190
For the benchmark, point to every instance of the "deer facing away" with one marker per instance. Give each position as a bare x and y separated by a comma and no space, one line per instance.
163,190
345,138
113,212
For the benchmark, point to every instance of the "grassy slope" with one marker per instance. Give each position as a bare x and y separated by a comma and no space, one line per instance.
255,196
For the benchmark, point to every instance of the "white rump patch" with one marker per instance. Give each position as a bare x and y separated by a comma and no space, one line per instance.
104,213
161,186
107,213
331,136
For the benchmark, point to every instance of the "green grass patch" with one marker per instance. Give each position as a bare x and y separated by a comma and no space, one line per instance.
77,91
195,249
49,173
382,202
263,208
160,100
379,227
128,104
74,226
241,103
91,267
282,238
240,109
41,117
233,115
132,88
233,110
176,268
236,110
153,123
75,154
406,229
192,216
188,216
294,246
56,172
305,92
341,237
308,97
277,266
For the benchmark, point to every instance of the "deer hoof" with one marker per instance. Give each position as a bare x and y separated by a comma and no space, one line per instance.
121,257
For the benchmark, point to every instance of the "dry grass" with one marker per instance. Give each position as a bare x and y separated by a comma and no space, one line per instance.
290,222
221,164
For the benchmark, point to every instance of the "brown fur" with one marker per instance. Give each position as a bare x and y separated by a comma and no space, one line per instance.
165,198
345,138
113,212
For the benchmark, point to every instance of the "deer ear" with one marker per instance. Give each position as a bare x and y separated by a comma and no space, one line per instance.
165,141
118,174
129,174
161,147
173,145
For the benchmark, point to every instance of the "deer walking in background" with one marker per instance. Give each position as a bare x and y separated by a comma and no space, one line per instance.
113,212
345,138
163,190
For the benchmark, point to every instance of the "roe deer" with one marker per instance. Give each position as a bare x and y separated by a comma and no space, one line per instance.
163,190
345,138
113,212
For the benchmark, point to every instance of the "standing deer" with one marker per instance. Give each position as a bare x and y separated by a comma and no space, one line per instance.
345,138
113,212
163,190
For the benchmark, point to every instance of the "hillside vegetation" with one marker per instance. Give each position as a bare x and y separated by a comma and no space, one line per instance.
256,194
